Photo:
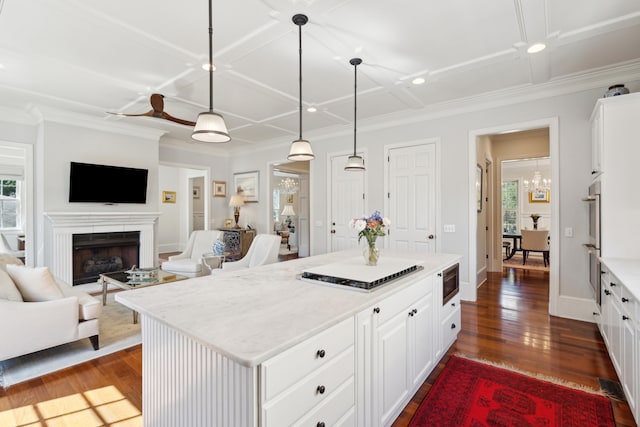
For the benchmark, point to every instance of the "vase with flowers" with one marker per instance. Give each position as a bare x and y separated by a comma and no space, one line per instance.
371,228
535,217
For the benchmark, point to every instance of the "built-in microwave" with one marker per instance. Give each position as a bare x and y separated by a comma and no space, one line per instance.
450,283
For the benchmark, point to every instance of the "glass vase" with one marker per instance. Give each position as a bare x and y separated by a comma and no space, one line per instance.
371,253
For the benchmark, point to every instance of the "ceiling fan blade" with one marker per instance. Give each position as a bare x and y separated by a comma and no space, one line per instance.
147,114
168,116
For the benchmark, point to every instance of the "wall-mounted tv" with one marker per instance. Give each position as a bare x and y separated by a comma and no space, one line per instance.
90,183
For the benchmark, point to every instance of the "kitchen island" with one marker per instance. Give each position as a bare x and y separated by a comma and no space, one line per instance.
261,347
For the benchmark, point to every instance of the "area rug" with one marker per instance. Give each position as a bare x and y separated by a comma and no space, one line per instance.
474,394
533,263
117,332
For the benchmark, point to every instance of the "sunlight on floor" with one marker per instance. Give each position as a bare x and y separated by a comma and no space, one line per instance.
104,406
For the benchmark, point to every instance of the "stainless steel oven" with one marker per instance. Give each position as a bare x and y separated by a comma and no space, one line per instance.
593,245
450,283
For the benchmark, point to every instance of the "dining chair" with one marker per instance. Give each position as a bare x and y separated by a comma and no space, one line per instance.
535,241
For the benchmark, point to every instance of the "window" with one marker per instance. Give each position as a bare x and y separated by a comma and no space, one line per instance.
510,207
9,204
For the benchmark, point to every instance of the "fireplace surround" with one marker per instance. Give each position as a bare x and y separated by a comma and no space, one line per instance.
61,226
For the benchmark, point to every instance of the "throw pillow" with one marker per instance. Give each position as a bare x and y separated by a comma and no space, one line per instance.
35,284
6,258
8,289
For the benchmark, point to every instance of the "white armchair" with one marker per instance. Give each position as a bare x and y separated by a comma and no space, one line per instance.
263,250
190,262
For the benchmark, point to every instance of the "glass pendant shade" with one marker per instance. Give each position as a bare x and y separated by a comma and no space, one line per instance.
210,127
300,150
354,163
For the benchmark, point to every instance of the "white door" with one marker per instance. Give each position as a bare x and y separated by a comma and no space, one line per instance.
412,198
347,202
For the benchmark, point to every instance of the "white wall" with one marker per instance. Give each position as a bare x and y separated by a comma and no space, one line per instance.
168,229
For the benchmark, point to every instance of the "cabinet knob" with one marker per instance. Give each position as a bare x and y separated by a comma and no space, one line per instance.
320,354
594,172
625,299
376,310
595,313
453,326
625,317
320,424
411,314
453,304
613,284
414,311
607,292
320,389
333,231
439,274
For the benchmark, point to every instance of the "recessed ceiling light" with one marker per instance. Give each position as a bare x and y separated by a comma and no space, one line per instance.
206,67
312,109
418,81
536,47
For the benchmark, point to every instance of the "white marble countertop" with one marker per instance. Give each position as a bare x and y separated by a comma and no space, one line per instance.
254,314
628,271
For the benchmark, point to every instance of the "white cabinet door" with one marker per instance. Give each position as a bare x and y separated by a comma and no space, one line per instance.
628,362
393,366
423,334
596,141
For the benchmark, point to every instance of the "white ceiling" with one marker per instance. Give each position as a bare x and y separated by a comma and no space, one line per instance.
90,56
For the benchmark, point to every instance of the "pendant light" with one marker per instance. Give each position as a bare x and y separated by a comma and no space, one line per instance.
355,162
300,148
210,126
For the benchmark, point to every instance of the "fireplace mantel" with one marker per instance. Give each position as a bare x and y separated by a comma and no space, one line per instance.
63,225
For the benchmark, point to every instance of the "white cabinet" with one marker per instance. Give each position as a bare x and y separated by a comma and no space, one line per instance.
615,150
619,328
398,343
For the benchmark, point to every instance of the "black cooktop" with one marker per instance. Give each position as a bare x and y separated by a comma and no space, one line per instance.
360,284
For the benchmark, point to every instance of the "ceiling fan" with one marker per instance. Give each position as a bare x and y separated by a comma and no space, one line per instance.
157,105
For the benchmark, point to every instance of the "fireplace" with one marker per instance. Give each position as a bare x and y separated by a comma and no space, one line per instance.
96,253
62,226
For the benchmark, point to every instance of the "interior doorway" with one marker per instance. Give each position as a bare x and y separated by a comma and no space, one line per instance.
482,145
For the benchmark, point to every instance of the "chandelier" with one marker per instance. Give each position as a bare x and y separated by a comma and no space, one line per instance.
289,186
537,184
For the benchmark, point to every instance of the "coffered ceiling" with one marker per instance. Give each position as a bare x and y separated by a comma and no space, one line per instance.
90,56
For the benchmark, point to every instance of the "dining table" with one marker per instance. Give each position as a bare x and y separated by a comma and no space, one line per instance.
517,241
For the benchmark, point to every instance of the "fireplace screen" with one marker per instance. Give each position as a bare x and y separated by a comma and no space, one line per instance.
96,253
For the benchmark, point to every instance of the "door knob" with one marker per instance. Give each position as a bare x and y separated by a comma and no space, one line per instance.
431,237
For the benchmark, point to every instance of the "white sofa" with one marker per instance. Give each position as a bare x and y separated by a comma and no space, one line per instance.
26,327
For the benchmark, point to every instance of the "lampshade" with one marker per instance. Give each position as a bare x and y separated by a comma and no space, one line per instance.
288,210
355,162
236,201
210,126
300,148
300,151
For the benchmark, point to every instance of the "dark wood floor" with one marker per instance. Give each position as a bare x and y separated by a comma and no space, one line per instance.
508,324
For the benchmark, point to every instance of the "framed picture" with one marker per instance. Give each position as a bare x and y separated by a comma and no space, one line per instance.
196,192
248,184
228,222
539,196
479,188
219,189
289,198
168,197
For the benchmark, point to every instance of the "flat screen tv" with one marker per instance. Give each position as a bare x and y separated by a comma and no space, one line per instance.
90,183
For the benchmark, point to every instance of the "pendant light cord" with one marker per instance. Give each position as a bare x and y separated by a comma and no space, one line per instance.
300,77
355,104
210,57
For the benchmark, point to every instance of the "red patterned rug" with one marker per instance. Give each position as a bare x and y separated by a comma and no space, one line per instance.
474,394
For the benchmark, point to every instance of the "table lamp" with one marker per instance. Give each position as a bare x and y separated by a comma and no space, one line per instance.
236,201
288,211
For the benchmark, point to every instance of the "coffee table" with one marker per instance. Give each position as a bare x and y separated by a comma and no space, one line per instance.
121,280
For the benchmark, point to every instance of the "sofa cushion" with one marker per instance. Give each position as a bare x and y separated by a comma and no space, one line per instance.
8,289
35,284
182,266
89,307
6,258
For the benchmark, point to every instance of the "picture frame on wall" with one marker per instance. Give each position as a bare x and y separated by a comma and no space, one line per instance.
539,196
168,197
479,188
248,184
196,192
219,189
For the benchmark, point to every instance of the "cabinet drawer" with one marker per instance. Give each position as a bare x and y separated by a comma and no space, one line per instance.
452,305
615,286
398,302
304,396
450,328
336,410
286,369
